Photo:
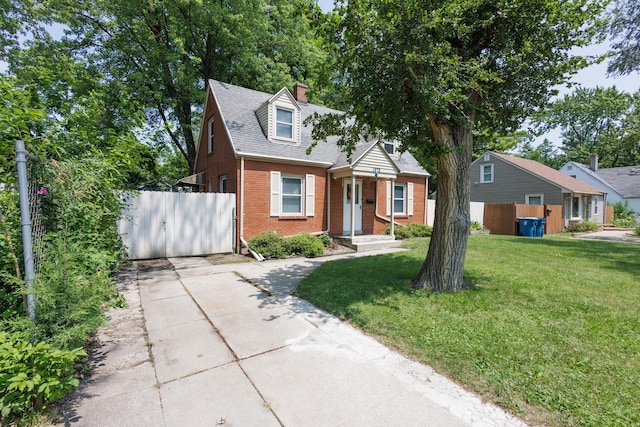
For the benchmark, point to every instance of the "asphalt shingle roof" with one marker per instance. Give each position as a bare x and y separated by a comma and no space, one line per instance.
624,179
238,106
550,174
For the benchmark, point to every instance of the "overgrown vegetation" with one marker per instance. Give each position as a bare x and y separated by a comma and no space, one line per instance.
582,227
272,245
74,282
33,376
413,229
546,328
623,216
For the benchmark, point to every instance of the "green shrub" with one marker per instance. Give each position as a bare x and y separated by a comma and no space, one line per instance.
413,229
306,245
582,227
416,229
624,222
636,232
269,244
622,211
31,376
327,241
476,226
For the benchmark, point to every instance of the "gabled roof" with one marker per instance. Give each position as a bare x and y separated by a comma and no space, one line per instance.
548,174
626,179
238,107
587,170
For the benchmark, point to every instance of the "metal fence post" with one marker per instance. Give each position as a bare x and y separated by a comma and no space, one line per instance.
25,217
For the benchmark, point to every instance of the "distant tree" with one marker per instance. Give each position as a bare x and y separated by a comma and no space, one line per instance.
160,54
546,153
430,74
624,27
595,121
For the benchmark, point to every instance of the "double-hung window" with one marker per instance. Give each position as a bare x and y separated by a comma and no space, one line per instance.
486,173
284,123
292,195
210,136
399,199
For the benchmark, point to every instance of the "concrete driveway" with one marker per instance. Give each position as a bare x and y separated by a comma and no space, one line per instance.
205,345
625,236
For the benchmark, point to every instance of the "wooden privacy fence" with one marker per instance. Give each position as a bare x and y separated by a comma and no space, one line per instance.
502,218
608,216
161,224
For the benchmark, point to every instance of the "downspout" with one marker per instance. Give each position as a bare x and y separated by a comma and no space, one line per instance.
241,210
328,202
318,233
380,217
256,255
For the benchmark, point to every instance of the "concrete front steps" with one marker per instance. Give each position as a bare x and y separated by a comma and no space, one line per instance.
370,242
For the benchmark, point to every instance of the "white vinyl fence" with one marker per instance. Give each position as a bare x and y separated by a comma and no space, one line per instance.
161,224
477,211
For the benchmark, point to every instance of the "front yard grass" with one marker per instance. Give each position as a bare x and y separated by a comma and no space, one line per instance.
547,328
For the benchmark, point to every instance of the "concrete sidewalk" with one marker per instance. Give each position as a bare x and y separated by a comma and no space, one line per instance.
204,345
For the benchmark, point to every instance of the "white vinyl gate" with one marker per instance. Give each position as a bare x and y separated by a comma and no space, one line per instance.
162,224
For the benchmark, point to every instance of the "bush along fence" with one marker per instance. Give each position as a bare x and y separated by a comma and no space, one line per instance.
72,211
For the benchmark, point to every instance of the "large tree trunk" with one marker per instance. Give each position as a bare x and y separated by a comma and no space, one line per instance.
443,267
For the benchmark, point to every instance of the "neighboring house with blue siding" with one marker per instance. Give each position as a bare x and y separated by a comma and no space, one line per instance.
621,184
500,178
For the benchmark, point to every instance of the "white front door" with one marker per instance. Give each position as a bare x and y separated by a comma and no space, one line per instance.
347,197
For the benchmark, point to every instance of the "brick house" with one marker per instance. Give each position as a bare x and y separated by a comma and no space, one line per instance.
254,144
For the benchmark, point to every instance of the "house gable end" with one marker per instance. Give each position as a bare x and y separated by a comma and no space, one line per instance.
375,162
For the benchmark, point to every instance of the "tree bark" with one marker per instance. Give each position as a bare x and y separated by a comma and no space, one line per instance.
443,267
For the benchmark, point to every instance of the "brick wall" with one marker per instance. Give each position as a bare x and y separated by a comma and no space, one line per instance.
257,187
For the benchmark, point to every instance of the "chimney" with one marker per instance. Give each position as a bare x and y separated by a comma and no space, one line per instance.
300,92
594,163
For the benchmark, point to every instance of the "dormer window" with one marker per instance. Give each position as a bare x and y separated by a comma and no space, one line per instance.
281,119
284,123
390,147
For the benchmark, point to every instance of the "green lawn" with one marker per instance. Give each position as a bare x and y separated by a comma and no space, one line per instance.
548,328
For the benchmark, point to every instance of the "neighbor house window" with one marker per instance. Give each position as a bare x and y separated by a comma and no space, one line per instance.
291,195
210,136
595,205
486,173
223,184
284,123
534,199
575,207
399,199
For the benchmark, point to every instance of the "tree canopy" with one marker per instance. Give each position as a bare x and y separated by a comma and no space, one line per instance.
431,75
158,55
625,30
600,121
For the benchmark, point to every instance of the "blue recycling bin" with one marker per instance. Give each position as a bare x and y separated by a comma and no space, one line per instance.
528,226
540,230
